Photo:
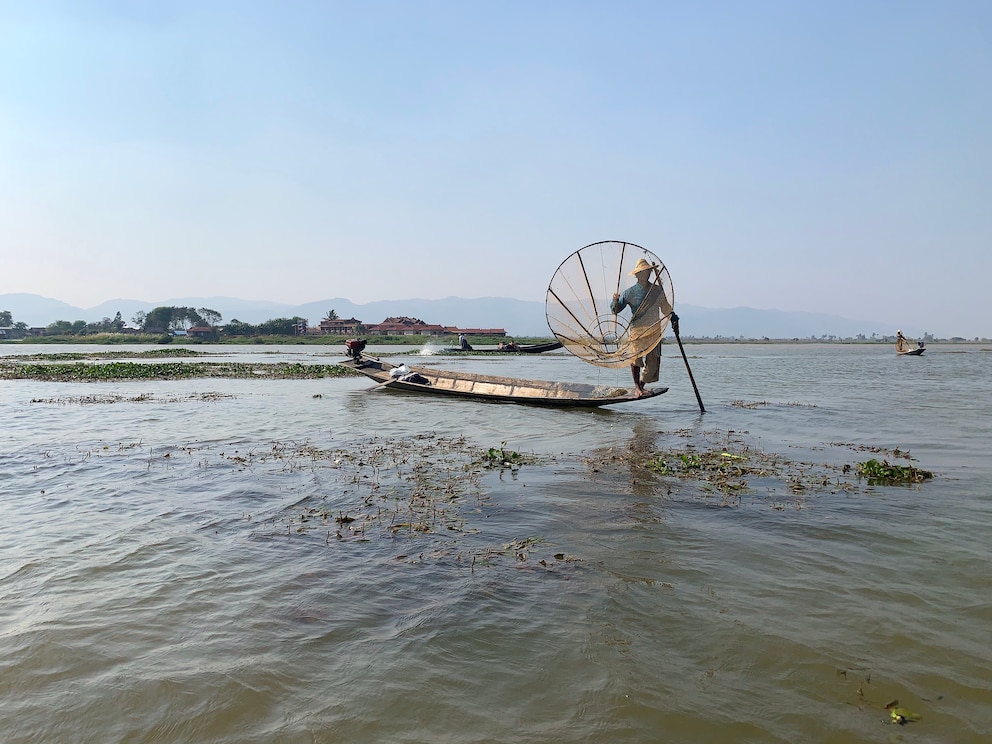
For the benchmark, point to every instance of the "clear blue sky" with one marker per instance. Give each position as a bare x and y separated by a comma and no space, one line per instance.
830,157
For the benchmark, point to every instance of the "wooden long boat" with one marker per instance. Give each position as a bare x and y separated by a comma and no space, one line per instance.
904,349
539,348
527,349
433,381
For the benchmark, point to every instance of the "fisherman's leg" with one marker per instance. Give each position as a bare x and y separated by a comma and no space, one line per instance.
652,365
635,371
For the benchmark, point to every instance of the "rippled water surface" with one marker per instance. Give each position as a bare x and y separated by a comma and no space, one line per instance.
314,561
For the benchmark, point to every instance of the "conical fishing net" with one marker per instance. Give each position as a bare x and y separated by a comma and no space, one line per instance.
609,303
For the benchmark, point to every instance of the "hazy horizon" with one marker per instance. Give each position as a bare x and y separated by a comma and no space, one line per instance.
518,317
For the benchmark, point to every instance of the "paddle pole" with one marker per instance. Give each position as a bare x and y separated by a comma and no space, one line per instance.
675,329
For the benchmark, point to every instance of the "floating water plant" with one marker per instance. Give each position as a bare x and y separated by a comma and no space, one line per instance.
112,371
501,457
732,467
724,471
758,403
884,474
75,356
902,716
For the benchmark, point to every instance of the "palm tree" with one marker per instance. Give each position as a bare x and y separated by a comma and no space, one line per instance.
332,315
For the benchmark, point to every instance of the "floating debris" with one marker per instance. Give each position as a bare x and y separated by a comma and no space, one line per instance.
758,403
83,400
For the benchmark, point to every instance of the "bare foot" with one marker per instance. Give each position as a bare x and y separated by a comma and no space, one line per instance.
638,392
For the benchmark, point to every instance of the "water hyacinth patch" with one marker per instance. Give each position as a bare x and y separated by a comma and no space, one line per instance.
501,457
733,467
113,371
883,474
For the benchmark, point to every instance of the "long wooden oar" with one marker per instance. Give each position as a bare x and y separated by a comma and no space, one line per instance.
675,329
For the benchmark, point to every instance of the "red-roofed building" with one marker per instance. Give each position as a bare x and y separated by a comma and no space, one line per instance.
339,326
404,326
454,331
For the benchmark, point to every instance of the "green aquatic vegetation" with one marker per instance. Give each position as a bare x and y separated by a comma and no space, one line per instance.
112,371
660,466
726,464
883,473
423,494
501,457
758,403
83,372
299,371
723,471
82,356
65,400
901,716
749,403
874,449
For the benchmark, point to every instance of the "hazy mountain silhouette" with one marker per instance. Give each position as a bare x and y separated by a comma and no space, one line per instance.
517,317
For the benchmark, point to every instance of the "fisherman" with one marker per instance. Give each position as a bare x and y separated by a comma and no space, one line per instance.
647,303
463,343
901,343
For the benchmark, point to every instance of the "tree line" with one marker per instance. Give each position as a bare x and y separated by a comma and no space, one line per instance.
166,319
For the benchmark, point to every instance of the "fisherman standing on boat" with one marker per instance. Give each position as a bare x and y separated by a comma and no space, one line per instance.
463,343
901,343
648,305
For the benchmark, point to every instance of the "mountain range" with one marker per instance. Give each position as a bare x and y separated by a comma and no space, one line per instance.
517,317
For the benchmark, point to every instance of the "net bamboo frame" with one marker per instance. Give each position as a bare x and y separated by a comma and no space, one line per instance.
580,311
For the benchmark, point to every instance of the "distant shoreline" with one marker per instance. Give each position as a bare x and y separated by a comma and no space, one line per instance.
115,339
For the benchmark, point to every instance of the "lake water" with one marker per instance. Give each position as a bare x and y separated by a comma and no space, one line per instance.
173,567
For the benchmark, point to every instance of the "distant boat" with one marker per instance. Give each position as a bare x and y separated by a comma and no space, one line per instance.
526,349
904,349
539,348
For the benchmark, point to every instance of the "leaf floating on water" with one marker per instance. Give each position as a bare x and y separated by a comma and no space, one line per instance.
902,716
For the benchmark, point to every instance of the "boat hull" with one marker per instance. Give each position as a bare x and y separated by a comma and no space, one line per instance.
531,349
499,389
540,348
911,352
